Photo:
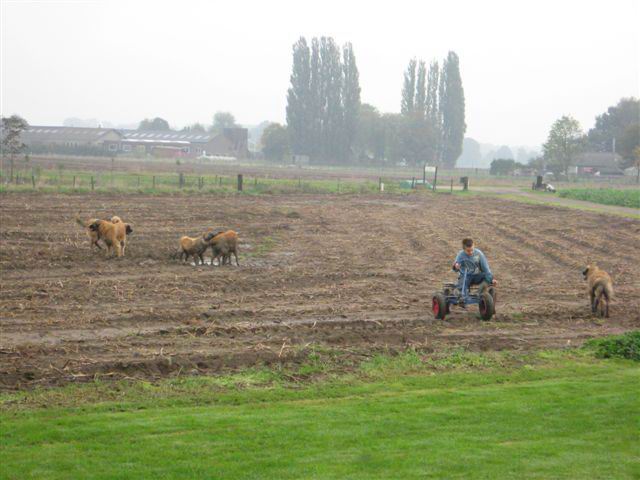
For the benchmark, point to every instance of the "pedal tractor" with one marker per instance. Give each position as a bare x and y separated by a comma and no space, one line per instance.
484,296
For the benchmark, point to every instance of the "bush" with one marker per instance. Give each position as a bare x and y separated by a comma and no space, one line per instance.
620,346
608,196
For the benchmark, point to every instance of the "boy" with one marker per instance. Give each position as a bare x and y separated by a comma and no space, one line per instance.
481,271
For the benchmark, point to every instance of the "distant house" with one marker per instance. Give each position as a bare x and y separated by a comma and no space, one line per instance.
231,142
598,163
41,138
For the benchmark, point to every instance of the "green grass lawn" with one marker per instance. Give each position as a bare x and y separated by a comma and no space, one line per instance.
627,197
552,416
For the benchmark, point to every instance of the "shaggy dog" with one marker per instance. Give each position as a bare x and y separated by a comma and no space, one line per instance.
600,289
223,245
114,235
94,235
195,247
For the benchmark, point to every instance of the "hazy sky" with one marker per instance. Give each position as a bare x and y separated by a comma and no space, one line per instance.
523,64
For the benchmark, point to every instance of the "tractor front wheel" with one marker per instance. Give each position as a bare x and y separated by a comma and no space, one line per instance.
439,306
486,306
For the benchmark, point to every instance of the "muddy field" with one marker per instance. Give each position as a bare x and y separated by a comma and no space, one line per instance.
351,275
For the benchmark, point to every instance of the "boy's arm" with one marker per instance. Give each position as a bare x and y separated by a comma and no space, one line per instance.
457,261
484,266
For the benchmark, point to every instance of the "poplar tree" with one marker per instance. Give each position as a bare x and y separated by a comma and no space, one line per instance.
298,115
420,102
409,89
350,98
452,108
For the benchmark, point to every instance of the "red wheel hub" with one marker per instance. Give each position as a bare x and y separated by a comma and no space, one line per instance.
435,306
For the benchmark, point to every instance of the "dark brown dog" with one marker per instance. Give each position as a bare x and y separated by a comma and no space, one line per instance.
600,289
94,236
223,245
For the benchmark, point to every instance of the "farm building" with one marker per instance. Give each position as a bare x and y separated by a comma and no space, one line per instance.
231,142
42,137
599,163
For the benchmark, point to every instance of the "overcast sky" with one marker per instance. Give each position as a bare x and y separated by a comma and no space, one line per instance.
523,64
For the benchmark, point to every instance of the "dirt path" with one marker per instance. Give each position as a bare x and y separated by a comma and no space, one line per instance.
550,199
349,275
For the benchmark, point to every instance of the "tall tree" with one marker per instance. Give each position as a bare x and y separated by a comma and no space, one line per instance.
159,124
275,142
564,143
298,114
370,139
316,102
332,148
452,107
350,98
628,144
613,123
420,101
471,154
12,128
222,120
409,89
434,115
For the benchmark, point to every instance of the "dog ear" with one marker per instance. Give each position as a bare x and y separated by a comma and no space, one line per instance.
585,272
128,229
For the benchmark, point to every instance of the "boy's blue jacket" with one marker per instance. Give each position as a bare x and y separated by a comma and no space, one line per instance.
479,260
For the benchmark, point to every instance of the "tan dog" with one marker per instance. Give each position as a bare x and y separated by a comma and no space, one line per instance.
223,245
195,246
94,236
600,289
114,235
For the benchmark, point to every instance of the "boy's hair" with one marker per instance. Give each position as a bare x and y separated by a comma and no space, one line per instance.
467,242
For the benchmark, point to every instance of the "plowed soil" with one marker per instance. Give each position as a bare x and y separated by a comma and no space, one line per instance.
347,274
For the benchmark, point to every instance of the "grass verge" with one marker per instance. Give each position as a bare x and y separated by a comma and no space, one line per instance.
462,415
627,197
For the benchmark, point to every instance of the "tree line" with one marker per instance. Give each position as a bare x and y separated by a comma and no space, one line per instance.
327,122
221,120
616,130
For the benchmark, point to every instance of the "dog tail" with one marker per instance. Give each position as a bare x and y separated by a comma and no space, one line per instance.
80,222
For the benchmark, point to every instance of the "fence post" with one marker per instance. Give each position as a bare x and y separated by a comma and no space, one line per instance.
379,184
181,179
11,170
239,182
435,179
338,185
255,182
452,185
74,182
299,182
93,183
138,181
220,180
413,183
33,181
153,183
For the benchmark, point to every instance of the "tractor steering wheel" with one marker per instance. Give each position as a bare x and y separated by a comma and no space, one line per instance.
467,266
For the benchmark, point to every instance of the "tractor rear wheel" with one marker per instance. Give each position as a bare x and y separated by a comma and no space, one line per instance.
439,306
486,306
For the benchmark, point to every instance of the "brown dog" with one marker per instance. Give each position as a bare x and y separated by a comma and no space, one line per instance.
600,289
195,247
94,235
114,235
223,245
